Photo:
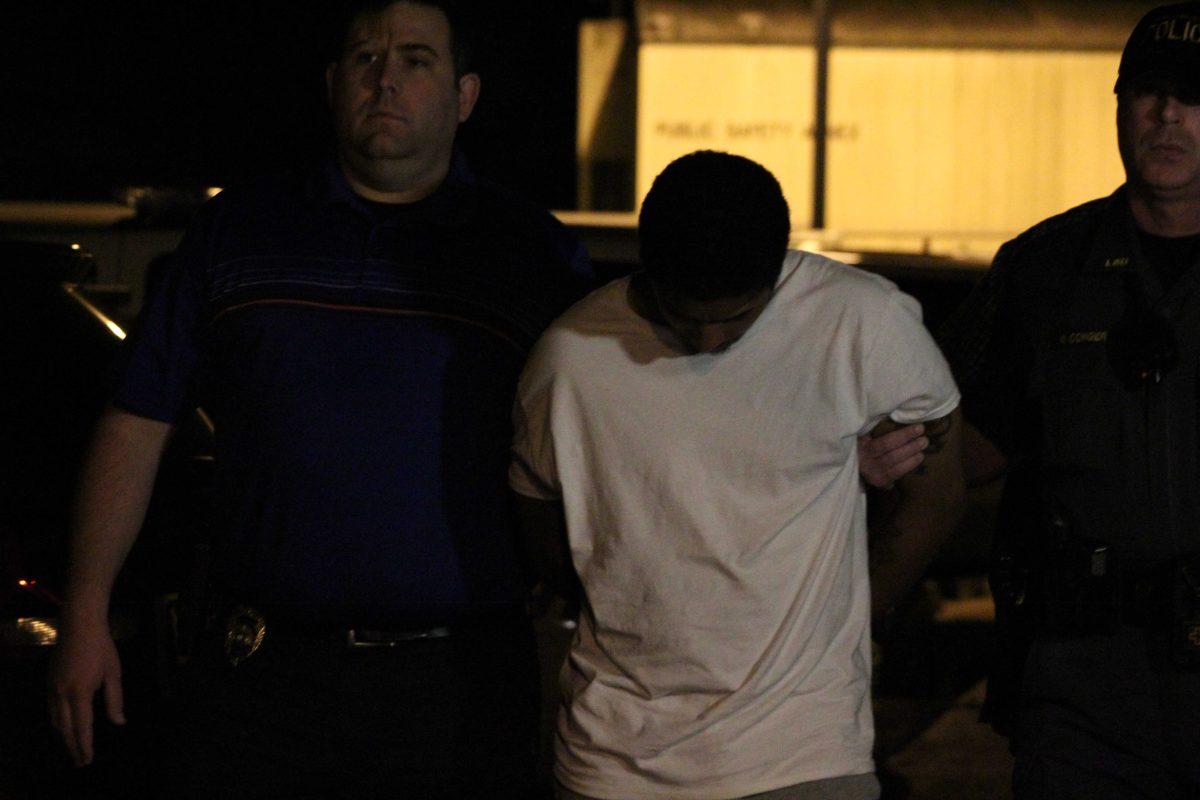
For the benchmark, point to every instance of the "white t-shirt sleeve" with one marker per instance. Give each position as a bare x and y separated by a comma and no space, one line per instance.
533,470
906,377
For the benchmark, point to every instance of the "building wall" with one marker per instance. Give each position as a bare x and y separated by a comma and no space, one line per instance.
753,100
972,141
950,150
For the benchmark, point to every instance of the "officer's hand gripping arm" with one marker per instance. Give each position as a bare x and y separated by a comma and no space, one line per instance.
929,503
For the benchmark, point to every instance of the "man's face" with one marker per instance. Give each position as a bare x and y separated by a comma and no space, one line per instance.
393,91
710,326
1159,138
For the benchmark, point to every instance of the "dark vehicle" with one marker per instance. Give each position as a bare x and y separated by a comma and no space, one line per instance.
56,363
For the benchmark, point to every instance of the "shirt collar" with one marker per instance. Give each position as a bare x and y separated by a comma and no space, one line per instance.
1115,248
451,204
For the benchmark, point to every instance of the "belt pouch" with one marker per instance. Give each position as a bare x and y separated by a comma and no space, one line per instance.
1082,589
1184,639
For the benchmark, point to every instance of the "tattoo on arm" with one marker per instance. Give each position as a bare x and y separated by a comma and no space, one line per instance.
936,432
884,533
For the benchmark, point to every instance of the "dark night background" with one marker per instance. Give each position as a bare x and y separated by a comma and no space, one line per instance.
98,96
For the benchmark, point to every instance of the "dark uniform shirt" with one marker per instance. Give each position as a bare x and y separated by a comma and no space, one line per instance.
1081,365
1077,361
359,364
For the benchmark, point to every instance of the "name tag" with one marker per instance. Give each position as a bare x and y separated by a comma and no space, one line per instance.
1083,337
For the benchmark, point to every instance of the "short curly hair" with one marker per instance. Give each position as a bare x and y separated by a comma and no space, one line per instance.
714,225
463,29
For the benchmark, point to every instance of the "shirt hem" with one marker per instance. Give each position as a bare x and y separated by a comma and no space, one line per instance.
706,789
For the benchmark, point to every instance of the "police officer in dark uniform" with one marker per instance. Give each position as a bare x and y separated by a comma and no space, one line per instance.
1079,359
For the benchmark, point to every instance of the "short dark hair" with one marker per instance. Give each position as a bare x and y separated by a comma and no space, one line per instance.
713,226
462,30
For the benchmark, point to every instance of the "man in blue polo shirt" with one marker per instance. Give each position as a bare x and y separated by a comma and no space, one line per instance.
356,334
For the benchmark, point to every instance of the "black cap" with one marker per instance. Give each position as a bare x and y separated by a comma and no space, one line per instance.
1166,43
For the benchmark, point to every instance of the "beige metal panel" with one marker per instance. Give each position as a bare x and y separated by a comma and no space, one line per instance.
753,100
967,140
605,138
994,24
601,43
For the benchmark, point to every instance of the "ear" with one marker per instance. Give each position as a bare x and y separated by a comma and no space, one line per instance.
468,94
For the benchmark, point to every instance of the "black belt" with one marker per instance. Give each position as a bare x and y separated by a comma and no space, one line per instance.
242,630
1094,582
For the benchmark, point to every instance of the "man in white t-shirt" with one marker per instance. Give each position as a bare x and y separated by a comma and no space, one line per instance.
687,437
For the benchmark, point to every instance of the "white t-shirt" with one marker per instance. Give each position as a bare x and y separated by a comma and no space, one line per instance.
717,522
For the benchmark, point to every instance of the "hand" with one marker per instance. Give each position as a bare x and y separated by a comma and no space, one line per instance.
884,458
86,662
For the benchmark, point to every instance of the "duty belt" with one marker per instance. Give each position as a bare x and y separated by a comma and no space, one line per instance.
1090,589
243,630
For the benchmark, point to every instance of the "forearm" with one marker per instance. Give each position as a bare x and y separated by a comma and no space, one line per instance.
906,543
114,491
983,462
544,539
927,506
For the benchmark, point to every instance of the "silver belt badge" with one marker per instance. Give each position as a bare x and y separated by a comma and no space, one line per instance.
244,633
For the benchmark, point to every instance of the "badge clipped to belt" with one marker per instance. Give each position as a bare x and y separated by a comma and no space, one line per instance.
244,633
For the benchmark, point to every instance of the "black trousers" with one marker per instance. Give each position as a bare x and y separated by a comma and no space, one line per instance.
431,718
1102,718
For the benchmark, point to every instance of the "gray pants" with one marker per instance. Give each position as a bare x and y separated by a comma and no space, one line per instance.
1100,717
849,787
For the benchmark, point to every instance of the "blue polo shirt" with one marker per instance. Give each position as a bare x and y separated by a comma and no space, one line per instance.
359,366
